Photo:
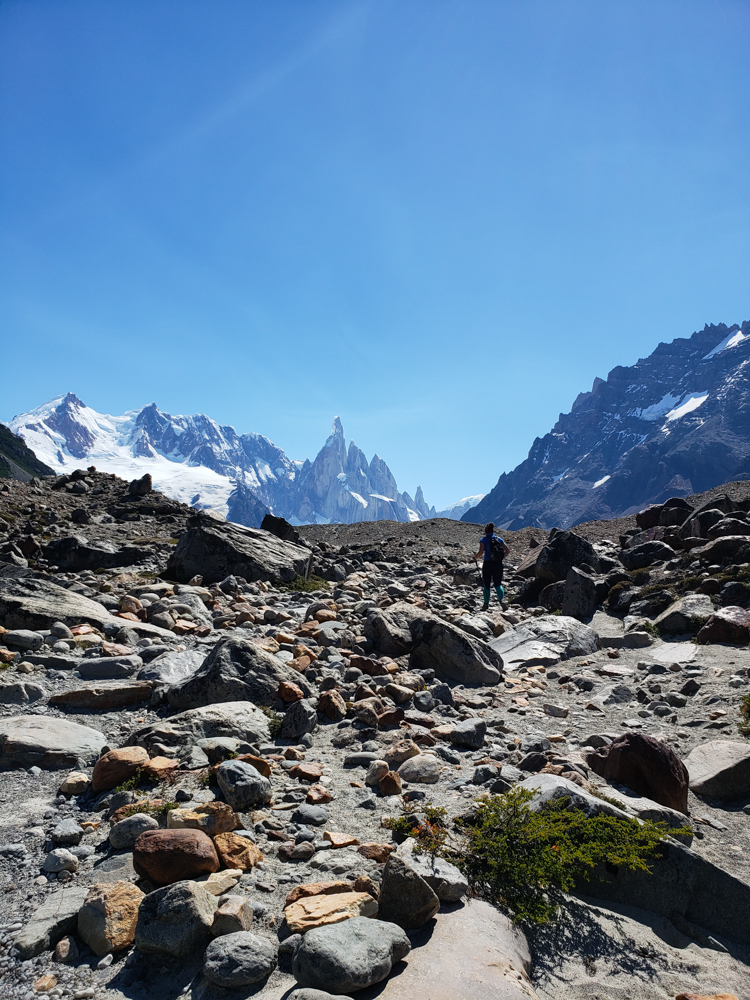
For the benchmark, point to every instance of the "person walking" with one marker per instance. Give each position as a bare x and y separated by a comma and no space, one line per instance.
492,550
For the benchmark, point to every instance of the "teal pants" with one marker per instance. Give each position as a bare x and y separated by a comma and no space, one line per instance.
498,590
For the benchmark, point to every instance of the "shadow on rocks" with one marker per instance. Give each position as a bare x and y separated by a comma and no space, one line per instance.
144,976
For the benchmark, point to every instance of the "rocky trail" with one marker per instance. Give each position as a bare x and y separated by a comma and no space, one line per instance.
207,731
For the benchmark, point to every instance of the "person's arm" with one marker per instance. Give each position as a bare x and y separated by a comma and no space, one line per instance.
480,552
506,550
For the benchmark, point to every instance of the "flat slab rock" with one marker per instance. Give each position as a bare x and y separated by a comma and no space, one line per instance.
545,641
41,741
470,953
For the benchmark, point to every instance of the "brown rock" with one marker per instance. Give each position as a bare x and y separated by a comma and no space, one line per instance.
211,817
376,852
296,852
160,768
45,983
340,839
261,766
324,615
317,795
647,766
117,766
307,771
75,783
363,883
129,603
117,648
368,711
332,706
66,950
234,914
289,692
104,697
391,717
319,911
400,752
730,625
167,856
142,805
106,921
368,666
390,784
316,889
237,852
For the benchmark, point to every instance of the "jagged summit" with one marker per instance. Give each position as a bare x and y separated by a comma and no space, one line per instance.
200,462
673,424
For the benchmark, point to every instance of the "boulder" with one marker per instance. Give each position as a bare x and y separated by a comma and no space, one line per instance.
107,919
720,769
405,897
217,549
243,787
167,856
300,717
20,692
237,852
49,743
233,914
141,487
579,597
545,641
350,956
117,766
687,615
389,630
50,922
452,653
175,920
104,668
235,670
563,551
646,765
730,548
424,769
646,554
124,834
308,912
211,817
468,733
234,718
730,625
104,697
445,880
172,667
239,959
280,527
75,553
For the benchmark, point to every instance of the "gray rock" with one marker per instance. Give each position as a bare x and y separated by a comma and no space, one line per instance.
405,897
172,667
686,615
350,956
217,549
563,550
60,860
243,787
239,959
175,920
545,641
23,638
579,596
720,769
20,693
67,832
307,815
101,668
469,733
445,880
423,769
235,670
235,718
304,994
300,718
48,743
646,554
124,834
50,922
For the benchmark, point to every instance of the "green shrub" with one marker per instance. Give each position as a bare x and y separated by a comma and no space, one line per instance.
300,585
522,861
274,721
132,783
744,725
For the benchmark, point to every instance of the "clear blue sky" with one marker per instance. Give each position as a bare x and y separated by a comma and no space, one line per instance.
439,220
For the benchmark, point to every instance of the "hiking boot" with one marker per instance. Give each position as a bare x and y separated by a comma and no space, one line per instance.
485,607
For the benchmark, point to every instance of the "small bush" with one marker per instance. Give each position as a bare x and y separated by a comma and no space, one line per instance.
429,833
522,861
744,725
300,585
274,721
132,783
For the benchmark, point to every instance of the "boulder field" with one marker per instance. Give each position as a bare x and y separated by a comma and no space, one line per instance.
207,733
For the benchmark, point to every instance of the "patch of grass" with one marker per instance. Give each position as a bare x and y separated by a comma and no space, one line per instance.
148,809
744,726
133,782
523,861
300,585
274,721
640,577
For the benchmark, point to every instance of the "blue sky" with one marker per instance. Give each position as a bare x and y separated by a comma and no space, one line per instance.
440,220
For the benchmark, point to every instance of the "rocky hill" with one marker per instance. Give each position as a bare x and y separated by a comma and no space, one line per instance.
16,460
209,466
675,423
215,739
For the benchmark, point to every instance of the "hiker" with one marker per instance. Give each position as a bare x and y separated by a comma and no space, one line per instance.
493,550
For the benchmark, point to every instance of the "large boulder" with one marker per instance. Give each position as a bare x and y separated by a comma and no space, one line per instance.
648,766
50,922
238,719
405,897
720,769
243,786
730,625
579,596
350,956
240,959
687,615
176,920
645,554
38,740
218,549
730,548
389,630
31,603
117,766
167,856
235,670
172,667
545,641
445,880
107,919
564,549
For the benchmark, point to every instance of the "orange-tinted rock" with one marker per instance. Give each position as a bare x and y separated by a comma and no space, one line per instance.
368,666
167,856
376,852
317,795
340,839
646,765
706,996
363,883
390,784
160,768
321,911
332,706
211,817
237,852
107,919
391,717
325,616
307,771
117,766
316,889
289,692
142,805
261,766
116,649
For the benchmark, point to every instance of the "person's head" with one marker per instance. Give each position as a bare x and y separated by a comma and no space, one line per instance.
489,528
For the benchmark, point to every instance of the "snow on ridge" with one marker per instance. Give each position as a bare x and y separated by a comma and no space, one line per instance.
657,410
690,402
600,482
731,340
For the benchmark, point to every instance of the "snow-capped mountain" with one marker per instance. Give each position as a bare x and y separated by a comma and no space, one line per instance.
207,465
456,510
675,423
